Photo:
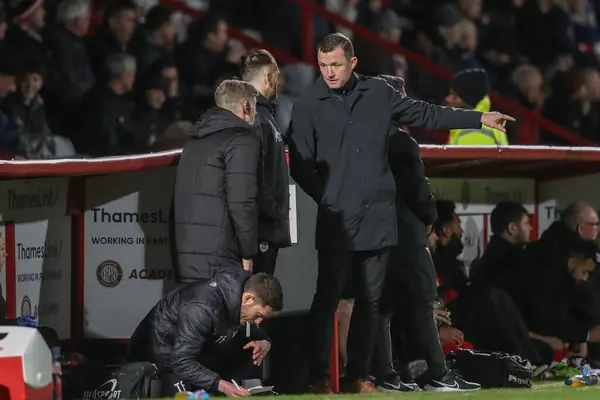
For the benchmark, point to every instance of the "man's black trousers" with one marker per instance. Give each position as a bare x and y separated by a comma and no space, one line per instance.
411,289
368,270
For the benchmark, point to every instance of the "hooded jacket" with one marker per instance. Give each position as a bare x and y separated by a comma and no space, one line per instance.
191,321
215,212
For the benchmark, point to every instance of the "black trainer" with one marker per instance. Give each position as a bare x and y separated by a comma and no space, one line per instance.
395,384
451,383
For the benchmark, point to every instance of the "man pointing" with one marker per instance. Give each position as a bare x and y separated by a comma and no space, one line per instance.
338,156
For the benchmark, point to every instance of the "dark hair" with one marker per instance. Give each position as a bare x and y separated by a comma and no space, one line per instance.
253,61
397,82
445,212
31,66
116,7
208,23
505,213
334,40
267,288
158,16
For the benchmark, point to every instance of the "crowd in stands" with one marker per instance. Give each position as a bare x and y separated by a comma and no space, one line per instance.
101,78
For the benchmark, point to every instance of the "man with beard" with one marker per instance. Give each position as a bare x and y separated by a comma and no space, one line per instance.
448,228
260,69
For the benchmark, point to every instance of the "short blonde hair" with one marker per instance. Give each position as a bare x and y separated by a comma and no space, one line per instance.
231,93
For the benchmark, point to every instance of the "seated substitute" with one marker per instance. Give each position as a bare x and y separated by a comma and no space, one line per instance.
197,335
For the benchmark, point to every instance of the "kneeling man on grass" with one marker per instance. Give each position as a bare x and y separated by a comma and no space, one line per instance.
201,335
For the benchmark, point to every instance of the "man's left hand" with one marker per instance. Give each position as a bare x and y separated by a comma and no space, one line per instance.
260,350
495,120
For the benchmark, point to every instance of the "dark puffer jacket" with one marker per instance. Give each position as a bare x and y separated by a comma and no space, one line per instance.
215,211
191,321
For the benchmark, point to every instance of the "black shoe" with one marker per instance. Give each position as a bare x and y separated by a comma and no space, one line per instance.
451,383
395,384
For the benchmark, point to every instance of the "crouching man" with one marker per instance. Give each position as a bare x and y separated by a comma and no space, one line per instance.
200,336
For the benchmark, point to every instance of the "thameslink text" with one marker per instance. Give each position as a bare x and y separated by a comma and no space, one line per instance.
41,198
102,215
47,250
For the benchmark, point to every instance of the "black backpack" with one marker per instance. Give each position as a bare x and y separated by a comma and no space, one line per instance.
131,381
491,370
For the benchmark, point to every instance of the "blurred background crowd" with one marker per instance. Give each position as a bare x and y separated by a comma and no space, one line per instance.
101,78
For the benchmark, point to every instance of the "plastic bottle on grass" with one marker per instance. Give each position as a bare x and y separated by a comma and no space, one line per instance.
585,379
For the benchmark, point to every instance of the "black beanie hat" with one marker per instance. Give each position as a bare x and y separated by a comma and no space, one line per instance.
471,85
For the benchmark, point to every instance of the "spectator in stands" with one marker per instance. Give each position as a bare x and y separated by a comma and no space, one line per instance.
376,60
25,35
25,108
525,89
441,48
149,114
174,101
8,69
158,38
499,44
204,54
543,30
469,89
467,44
568,105
217,176
346,9
195,334
114,36
106,127
71,61
511,231
259,68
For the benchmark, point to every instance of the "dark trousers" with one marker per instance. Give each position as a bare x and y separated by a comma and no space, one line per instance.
231,362
368,270
266,259
407,312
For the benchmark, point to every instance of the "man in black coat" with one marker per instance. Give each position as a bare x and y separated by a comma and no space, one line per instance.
338,152
215,212
195,334
260,69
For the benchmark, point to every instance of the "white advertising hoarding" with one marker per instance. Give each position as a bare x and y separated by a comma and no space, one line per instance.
43,273
127,259
42,249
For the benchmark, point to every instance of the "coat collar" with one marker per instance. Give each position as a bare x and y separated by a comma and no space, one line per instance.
321,91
